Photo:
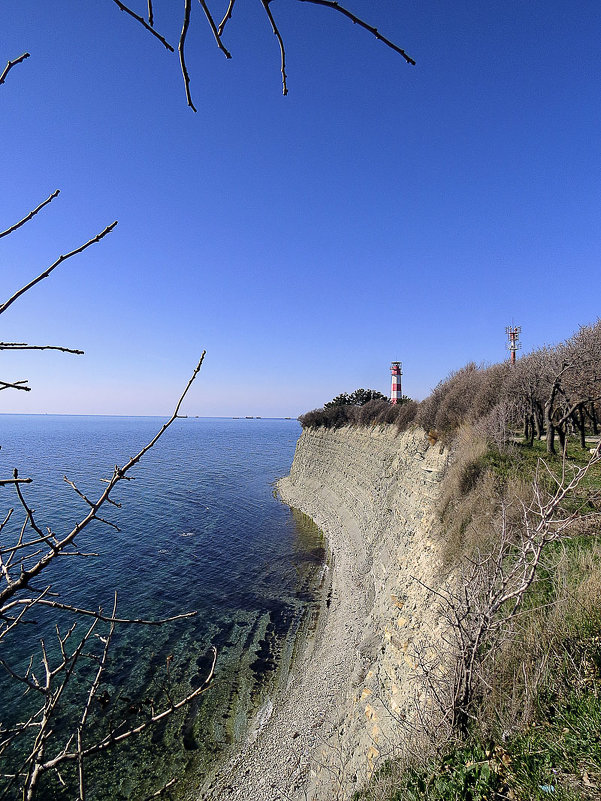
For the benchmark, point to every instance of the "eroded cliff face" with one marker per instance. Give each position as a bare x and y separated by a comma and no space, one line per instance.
374,494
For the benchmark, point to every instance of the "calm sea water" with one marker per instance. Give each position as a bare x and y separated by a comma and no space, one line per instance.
201,530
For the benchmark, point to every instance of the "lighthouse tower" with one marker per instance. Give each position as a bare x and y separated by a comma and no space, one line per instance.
395,390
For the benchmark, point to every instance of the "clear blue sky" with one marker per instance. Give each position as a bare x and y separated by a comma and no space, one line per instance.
379,211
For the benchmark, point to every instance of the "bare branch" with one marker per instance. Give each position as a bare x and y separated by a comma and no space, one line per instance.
163,789
119,474
81,495
98,615
150,14
55,264
181,47
5,481
112,738
24,346
31,214
358,21
276,31
147,25
12,64
91,695
213,27
227,16
15,385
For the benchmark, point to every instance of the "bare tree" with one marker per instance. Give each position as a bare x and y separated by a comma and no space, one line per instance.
42,744
37,742
480,603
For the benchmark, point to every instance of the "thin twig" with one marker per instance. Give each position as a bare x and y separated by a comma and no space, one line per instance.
31,214
145,24
358,21
15,385
119,474
91,695
91,613
55,264
160,792
12,64
227,16
276,31
213,27
24,346
180,48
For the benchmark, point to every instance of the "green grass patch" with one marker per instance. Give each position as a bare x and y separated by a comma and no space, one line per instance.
558,758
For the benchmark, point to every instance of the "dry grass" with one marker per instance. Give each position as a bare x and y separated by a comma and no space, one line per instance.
469,499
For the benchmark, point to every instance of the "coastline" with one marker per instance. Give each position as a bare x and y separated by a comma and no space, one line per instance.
352,693
288,754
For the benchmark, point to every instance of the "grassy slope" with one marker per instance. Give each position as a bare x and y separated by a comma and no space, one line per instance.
537,734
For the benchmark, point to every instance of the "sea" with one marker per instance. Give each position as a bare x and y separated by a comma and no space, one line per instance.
200,528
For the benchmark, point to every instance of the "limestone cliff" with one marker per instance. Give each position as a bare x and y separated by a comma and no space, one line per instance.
374,494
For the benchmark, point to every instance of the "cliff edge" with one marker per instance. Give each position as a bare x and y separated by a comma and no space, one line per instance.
374,493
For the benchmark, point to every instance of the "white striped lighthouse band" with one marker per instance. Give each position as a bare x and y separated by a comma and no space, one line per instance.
396,392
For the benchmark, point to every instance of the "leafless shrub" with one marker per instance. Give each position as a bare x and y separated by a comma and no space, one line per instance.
497,426
536,641
465,396
487,593
374,412
405,415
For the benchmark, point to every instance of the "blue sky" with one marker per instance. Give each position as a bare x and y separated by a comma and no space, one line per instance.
379,211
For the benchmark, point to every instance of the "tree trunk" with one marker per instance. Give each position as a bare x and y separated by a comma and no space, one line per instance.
538,421
550,428
531,440
579,421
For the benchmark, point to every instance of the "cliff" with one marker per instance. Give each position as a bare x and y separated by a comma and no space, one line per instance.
374,494
352,693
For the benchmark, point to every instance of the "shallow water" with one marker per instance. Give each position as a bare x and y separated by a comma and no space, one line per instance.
200,530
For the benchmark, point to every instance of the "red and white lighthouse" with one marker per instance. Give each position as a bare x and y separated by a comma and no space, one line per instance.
396,392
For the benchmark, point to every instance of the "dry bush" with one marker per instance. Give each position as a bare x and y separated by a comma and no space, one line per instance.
465,396
564,607
405,415
332,417
469,495
496,427
372,413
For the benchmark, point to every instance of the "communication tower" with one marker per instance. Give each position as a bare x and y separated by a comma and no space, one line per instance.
513,344
395,390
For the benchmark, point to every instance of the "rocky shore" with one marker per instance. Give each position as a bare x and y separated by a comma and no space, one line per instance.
373,493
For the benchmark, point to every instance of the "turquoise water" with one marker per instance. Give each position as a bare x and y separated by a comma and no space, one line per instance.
200,530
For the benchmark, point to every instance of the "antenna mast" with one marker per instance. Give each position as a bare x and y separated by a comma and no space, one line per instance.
513,340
